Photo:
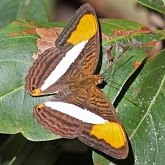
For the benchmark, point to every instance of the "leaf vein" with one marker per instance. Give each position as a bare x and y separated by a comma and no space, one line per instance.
149,108
12,60
156,139
11,92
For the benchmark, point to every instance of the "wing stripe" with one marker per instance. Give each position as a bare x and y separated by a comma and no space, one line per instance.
63,65
57,122
76,112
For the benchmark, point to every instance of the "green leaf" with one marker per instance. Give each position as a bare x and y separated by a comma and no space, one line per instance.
142,114
18,42
12,10
145,119
33,10
98,159
158,5
9,10
139,41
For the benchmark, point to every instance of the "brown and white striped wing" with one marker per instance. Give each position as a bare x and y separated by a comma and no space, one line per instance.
88,115
75,56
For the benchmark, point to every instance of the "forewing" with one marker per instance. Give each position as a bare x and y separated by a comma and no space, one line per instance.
40,71
74,57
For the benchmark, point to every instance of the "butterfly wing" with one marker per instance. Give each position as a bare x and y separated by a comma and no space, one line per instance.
75,55
108,137
86,113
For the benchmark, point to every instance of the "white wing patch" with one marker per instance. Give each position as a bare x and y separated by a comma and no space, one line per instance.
63,65
76,112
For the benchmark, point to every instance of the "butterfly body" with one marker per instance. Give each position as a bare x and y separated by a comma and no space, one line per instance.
79,108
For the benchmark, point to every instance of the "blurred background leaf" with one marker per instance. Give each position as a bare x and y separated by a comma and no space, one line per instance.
158,5
23,9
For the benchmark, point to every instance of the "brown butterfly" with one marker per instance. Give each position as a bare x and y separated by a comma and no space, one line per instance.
79,109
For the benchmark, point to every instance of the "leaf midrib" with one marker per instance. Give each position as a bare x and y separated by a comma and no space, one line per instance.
149,108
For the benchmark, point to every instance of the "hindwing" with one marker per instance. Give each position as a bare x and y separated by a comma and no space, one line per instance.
83,111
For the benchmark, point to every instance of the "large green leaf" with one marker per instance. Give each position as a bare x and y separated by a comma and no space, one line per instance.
158,5
18,42
144,113
139,41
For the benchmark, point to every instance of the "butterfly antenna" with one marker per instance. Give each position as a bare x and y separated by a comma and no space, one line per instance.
109,78
117,68
118,57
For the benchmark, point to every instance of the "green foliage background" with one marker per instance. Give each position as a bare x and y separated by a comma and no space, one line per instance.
140,108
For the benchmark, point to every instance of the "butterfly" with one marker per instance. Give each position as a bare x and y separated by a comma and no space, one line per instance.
79,109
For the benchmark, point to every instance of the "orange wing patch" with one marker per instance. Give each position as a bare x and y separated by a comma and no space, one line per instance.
86,28
36,92
111,132
39,106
